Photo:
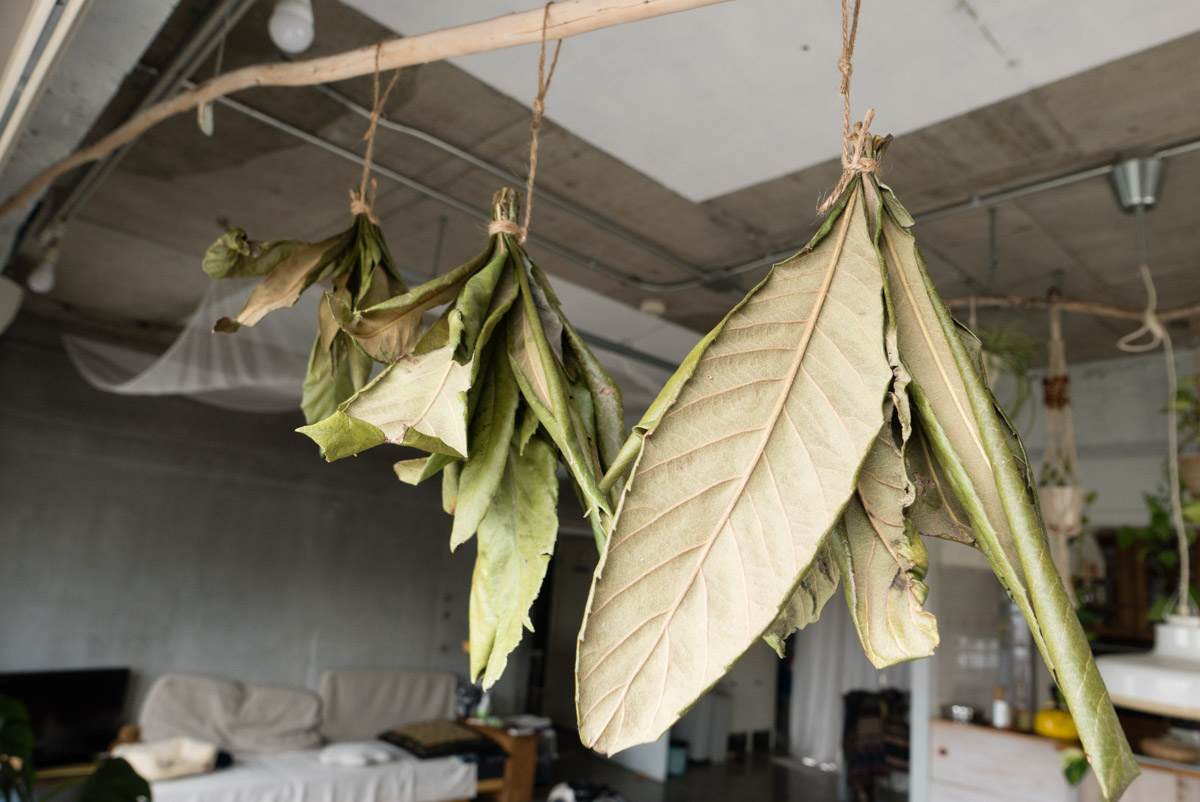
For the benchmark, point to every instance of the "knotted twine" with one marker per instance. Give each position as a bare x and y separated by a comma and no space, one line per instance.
1158,335
855,162
363,199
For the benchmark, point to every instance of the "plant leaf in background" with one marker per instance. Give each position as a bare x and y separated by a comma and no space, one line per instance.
114,780
16,751
981,456
735,487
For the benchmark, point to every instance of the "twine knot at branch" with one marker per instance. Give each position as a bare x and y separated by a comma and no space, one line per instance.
509,227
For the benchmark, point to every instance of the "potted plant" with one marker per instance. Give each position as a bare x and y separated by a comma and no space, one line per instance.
1187,408
1159,550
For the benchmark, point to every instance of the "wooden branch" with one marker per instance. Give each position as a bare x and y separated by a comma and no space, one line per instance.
566,18
1083,307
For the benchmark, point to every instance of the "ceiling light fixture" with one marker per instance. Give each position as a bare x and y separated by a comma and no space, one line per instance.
291,25
42,279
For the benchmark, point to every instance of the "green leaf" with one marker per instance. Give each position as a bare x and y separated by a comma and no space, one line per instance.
540,376
983,461
606,395
286,281
736,487
341,436
491,436
450,487
114,780
234,255
516,539
425,394
390,328
882,561
805,605
329,380
1074,766
415,471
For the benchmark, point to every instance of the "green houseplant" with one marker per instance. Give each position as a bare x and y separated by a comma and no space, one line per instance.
112,781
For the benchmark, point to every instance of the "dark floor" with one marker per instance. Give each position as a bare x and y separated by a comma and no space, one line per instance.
756,778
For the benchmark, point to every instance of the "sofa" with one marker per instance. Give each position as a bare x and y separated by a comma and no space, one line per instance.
283,740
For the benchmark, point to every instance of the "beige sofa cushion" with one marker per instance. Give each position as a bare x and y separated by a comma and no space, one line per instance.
235,717
361,703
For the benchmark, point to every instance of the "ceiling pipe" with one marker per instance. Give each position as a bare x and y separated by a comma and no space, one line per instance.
705,276
200,43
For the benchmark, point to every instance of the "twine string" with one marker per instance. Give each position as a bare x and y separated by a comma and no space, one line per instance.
855,161
363,199
539,108
510,227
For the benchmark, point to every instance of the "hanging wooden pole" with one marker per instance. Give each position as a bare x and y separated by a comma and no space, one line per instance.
1084,307
564,19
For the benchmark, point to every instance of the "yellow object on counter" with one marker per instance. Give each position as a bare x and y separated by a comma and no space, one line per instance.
1052,723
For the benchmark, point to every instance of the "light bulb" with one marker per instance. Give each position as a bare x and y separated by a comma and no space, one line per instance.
41,280
291,25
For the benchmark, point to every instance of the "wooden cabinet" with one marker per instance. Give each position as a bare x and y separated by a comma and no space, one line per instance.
978,764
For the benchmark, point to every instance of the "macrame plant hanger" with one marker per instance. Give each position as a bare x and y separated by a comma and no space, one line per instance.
1060,490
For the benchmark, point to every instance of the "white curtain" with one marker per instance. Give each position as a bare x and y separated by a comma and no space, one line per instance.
258,369
829,662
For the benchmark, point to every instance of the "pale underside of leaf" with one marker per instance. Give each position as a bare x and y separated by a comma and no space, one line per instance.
882,561
981,458
415,471
735,489
805,605
516,539
425,395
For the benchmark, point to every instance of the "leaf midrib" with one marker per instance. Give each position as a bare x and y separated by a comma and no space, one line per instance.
780,405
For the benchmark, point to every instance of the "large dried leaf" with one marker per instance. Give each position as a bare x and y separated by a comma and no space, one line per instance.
882,561
736,486
491,435
516,539
286,281
974,445
805,605
425,394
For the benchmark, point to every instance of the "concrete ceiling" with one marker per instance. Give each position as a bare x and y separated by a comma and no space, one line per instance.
728,96
132,253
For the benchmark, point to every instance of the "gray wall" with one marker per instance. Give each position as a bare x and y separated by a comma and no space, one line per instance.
165,535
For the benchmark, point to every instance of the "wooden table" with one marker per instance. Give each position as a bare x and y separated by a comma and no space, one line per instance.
519,769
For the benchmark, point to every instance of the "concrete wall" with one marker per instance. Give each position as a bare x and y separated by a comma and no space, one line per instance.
165,535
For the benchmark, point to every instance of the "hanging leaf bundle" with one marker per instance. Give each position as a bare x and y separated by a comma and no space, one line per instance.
361,272
496,391
836,415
